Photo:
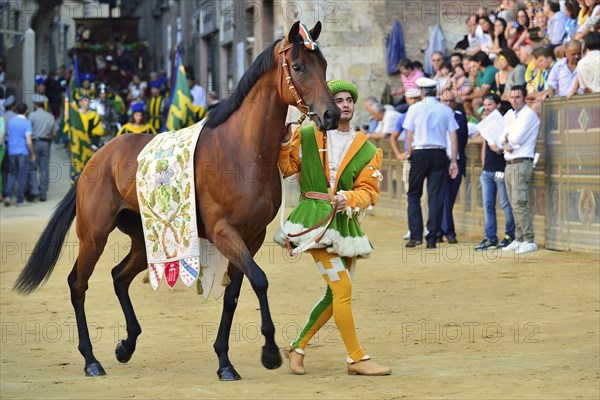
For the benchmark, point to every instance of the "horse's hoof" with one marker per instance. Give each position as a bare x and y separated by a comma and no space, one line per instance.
94,369
228,374
122,354
271,360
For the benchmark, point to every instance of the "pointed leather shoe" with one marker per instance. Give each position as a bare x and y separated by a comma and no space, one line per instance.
368,368
296,360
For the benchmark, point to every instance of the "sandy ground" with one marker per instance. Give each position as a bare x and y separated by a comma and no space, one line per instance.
451,323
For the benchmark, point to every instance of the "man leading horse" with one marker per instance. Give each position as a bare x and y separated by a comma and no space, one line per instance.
339,180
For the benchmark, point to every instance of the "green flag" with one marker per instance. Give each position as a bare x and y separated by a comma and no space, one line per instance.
182,111
79,139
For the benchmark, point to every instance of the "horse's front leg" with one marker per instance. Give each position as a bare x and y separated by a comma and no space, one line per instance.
231,245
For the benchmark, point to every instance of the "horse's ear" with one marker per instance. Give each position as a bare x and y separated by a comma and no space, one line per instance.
316,31
293,35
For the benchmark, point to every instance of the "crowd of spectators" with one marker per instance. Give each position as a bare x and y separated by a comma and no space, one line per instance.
551,47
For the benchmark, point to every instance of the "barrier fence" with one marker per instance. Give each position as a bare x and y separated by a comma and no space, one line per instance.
566,188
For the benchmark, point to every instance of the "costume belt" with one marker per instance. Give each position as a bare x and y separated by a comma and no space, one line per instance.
315,196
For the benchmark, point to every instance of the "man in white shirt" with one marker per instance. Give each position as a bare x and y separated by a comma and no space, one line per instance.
588,72
564,74
519,138
427,125
387,119
198,92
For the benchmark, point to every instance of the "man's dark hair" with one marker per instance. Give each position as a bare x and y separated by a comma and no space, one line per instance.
543,52
429,91
520,88
592,41
21,108
405,63
493,97
456,55
481,58
553,6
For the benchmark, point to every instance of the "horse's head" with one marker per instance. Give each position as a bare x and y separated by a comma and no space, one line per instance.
303,76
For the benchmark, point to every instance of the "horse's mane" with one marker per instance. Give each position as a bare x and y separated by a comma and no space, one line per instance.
262,64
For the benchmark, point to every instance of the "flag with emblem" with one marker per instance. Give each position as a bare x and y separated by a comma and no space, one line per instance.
182,111
81,145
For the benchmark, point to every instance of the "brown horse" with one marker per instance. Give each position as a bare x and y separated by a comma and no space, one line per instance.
242,134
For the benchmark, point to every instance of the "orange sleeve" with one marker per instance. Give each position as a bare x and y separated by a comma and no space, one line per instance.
289,155
365,191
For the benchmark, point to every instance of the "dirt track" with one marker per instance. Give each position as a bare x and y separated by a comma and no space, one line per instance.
452,323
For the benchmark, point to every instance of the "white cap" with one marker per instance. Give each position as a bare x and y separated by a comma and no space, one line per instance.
413,93
426,83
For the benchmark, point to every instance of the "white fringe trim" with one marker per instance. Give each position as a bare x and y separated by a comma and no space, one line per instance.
333,241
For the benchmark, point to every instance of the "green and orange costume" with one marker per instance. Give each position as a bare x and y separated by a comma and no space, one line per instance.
335,254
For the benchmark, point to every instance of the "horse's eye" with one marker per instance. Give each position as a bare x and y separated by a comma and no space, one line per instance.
296,67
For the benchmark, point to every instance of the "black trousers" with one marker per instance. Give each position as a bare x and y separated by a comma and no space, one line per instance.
431,164
450,197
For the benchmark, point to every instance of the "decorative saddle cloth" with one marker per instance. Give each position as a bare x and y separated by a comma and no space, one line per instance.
167,199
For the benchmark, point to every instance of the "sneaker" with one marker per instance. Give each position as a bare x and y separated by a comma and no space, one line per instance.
513,246
486,244
506,241
526,247
7,201
407,236
23,204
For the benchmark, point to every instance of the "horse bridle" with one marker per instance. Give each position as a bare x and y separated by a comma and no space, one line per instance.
304,109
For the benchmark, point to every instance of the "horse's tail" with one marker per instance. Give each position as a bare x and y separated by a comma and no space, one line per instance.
47,250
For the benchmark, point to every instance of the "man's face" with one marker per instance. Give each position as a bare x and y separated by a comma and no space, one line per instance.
489,106
454,61
573,54
346,105
84,103
436,61
516,100
447,98
543,63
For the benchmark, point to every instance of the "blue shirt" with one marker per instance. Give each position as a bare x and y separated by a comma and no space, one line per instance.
401,130
556,28
18,128
430,121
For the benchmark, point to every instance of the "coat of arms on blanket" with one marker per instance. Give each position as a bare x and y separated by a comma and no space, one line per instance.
166,195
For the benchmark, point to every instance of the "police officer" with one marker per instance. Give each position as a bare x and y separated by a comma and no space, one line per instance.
427,125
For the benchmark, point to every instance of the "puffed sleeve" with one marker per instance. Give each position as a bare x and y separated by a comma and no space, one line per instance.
289,155
365,191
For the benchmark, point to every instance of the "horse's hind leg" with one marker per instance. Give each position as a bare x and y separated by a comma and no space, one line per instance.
226,371
89,252
123,274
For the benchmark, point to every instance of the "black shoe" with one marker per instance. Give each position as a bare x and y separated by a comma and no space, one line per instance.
439,239
486,244
431,244
506,241
452,239
413,243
